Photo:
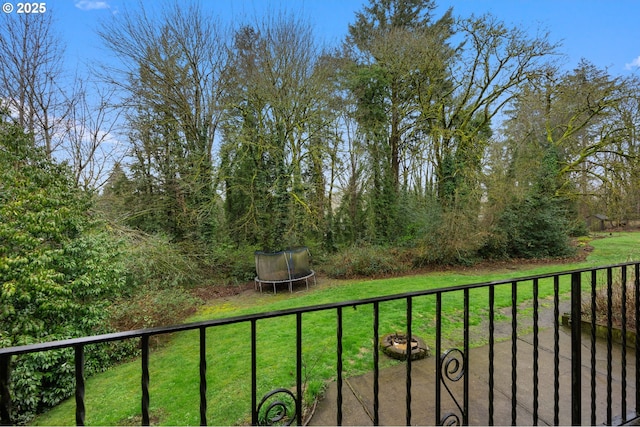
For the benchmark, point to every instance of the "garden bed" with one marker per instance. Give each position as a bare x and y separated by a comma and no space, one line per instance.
602,329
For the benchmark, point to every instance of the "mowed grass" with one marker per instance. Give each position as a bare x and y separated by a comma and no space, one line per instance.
113,398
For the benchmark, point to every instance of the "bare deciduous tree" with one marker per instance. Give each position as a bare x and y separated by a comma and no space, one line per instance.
277,133
31,73
493,64
90,141
171,72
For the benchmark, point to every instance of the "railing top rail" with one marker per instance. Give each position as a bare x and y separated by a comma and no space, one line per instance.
117,336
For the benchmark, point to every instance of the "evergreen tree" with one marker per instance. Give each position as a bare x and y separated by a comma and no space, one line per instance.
538,225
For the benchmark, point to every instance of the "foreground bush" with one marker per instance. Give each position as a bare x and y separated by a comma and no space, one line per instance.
59,271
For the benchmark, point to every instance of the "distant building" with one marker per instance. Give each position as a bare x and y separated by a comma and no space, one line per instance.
597,222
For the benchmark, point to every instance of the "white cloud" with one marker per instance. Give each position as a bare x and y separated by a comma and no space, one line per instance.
635,63
92,4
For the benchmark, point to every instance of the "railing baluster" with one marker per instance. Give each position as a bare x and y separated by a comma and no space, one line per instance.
514,352
535,351
254,375
203,376
79,373
556,350
491,350
594,281
465,380
5,395
409,332
438,390
623,385
637,352
376,363
339,367
576,350
609,343
145,380
299,368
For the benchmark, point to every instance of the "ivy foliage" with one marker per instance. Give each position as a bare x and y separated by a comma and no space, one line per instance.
58,269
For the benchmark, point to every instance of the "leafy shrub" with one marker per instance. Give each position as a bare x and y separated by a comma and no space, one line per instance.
154,261
231,264
455,239
59,268
368,261
150,307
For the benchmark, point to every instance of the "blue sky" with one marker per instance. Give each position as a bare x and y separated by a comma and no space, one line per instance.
607,33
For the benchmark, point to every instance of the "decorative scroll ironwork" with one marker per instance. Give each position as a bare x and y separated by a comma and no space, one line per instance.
453,370
450,419
273,409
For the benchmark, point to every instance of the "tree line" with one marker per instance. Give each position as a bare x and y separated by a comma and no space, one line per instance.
418,130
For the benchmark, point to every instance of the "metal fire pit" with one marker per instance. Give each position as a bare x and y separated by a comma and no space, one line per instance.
395,345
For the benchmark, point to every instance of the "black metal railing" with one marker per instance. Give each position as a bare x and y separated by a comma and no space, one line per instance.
513,376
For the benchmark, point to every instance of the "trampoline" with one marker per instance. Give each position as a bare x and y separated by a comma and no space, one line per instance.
288,266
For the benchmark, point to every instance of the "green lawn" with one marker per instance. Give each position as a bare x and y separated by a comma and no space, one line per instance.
113,398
